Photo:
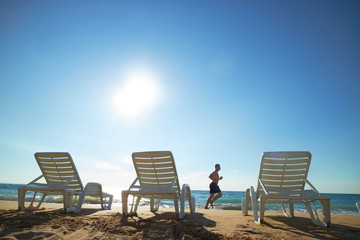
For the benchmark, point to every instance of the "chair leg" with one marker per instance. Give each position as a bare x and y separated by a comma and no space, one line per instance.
192,204
245,202
176,205
182,207
69,201
124,200
262,211
157,204
283,207
308,207
21,200
107,201
137,202
41,200
316,220
80,203
182,202
152,205
291,209
325,204
254,205
102,201
289,213
32,200
65,200
186,195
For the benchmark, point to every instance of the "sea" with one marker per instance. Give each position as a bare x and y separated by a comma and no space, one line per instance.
231,200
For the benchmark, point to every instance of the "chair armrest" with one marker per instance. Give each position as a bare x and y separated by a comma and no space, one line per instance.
312,187
173,183
35,180
133,184
263,186
69,180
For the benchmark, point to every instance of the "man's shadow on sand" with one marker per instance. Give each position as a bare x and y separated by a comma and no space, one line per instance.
166,225
304,226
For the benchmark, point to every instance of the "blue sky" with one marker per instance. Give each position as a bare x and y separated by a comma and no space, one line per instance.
212,81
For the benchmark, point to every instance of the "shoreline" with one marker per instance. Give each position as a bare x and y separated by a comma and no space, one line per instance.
229,201
92,222
118,205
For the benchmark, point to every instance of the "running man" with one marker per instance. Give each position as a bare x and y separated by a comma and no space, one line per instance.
214,188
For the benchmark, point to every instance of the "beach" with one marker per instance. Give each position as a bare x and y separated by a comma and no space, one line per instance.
50,222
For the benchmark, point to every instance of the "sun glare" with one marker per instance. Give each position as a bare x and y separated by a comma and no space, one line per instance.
138,94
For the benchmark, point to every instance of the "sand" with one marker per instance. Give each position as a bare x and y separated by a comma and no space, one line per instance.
92,223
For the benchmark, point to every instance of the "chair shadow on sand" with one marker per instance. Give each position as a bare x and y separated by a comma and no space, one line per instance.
303,227
16,221
57,224
166,226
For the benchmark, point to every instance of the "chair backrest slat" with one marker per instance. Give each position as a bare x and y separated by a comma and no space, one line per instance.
58,167
283,171
155,169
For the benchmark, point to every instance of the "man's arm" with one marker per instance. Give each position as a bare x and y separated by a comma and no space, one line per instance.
213,176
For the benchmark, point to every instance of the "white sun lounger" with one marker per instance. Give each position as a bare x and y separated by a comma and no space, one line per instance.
61,178
282,178
157,179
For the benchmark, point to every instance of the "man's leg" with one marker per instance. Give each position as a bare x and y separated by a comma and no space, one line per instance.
209,200
219,195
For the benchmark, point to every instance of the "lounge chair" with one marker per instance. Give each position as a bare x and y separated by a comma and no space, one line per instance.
282,178
157,179
61,178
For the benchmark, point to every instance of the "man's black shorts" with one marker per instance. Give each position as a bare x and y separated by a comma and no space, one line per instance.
214,188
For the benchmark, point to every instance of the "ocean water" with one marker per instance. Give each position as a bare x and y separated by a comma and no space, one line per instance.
231,200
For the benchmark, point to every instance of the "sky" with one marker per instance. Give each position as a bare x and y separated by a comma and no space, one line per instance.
211,81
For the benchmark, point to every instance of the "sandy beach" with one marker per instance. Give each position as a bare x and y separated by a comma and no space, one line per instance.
92,223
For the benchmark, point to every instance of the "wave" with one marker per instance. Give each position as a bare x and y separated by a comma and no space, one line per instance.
49,199
299,208
231,200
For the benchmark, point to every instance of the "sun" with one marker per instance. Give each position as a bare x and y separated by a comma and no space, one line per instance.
138,94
